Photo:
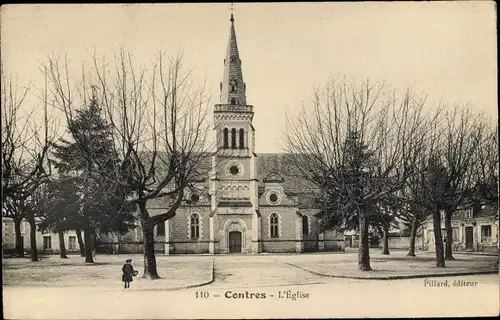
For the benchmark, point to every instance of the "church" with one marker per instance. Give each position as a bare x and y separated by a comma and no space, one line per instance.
252,202
249,203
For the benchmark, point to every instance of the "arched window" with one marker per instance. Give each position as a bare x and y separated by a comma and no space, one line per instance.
226,138
195,226
233,85
233,138
274,225
305,225
233,101
242,139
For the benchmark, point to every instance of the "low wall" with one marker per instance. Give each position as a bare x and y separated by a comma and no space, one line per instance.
188,247
397,242
334,245
277,246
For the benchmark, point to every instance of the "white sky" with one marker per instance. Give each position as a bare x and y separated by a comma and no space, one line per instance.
445,50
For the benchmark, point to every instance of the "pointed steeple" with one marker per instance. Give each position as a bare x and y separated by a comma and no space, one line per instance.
232,85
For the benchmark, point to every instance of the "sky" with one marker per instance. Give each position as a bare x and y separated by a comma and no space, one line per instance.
444,50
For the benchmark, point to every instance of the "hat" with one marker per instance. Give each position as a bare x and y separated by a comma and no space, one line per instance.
128,260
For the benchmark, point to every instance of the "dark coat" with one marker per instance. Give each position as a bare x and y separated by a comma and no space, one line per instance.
128,272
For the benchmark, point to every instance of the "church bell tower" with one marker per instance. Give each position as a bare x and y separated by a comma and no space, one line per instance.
234,184
233,116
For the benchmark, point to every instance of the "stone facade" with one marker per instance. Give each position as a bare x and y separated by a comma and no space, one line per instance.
47,242
474,229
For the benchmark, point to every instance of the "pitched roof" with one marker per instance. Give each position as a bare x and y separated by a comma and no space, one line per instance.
282,163
269,165
487,211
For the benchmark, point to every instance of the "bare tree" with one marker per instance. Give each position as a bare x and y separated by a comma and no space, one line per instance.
25,147
159,127
444,177
357,144
485,168
416,198
412,214
460,140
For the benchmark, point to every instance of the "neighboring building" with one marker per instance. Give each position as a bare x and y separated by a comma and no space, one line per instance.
474,229
47,242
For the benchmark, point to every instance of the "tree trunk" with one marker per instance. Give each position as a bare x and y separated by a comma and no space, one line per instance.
364,243
413,235
62,246
87,233
150,270
449,236
386,239
34,249
81,244
19,237
438,239
93,244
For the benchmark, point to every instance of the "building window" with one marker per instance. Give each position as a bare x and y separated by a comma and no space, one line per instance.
72,243
160,229
242,138
233,138
47,243
194,226
274,225
273,198
305,225
195,198
234,170
226,138
486,233
430,236
469,213
233,101
455,235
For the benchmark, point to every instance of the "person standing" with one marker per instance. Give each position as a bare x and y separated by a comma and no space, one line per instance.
128,273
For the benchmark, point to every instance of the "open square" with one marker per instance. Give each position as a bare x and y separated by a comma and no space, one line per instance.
98,285
176,271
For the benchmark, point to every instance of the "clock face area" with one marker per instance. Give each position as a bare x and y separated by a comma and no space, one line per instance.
233,169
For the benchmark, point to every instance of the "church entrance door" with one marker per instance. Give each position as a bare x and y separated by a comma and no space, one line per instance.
235,242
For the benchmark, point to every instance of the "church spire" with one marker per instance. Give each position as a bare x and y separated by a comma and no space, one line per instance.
232,85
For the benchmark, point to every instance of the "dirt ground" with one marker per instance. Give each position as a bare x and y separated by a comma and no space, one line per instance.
73,290
176,271
397,264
